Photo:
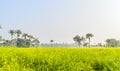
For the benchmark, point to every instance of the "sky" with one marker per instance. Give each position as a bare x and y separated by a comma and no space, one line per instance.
61,20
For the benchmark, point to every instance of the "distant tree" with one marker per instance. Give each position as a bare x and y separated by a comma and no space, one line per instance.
6,43
3,40
89,36
12,32
18,32
25,35
28,43
23,42
51,41
85,44
83,40
30,37
78,39
112,43
20,42
99,44
36,42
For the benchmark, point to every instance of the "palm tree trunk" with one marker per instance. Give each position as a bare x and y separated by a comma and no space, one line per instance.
89,42
51,44
11,37
12,40
79,44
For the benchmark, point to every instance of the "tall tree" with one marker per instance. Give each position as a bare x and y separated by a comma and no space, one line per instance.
12,32
51,41
25,35
26,41
18,32
89,36
30,37
36,42
77,39
112,42
83,40
85,44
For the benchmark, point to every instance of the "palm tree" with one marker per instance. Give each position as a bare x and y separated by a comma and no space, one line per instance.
83,40
18,32
36,41
85,44
30,37
77,39
51,41
89,36
3,41
25,35
12,32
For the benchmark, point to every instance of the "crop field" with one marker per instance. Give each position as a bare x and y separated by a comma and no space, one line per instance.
59,59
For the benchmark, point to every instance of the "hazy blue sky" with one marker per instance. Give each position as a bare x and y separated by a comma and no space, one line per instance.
61,20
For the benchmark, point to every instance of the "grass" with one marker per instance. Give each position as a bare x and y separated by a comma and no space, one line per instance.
59,59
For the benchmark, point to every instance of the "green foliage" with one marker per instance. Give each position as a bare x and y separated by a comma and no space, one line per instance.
18,32
113,43
51,41
59,59
89,36
12,32
78,39
27,43
20,43
23,43
6,43
24,35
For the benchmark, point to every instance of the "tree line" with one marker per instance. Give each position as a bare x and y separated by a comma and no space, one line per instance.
26,40
81,40
112,42
21,39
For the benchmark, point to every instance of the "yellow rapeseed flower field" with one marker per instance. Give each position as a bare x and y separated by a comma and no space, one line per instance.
59,59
